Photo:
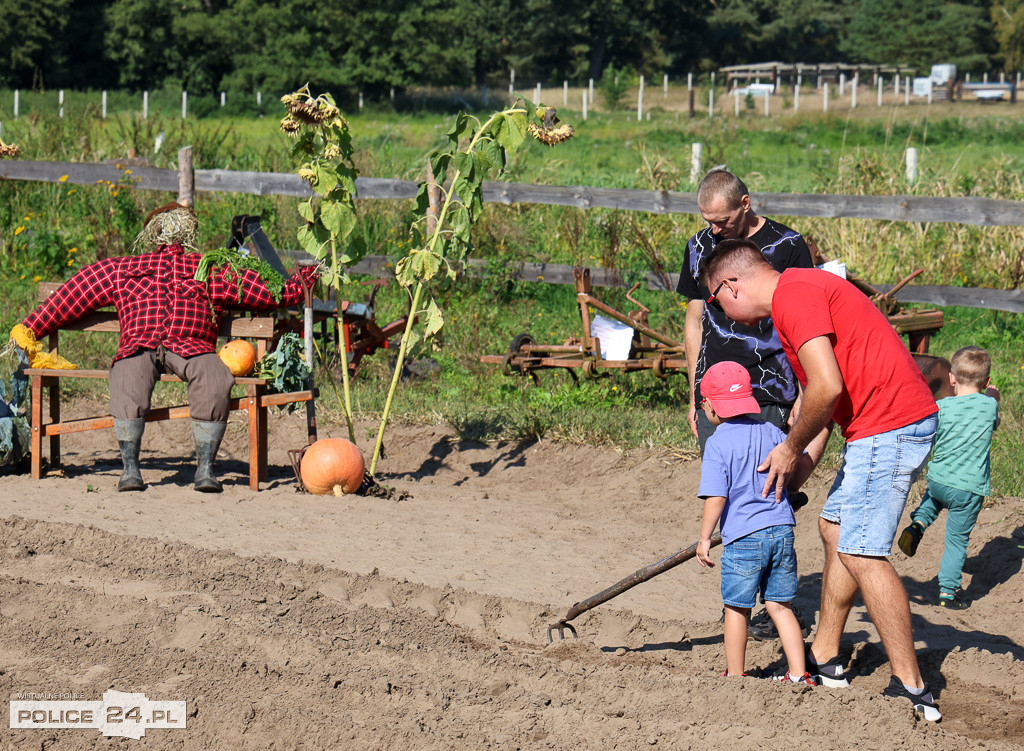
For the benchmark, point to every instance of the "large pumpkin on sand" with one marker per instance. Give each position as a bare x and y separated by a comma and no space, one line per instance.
332,465
239,355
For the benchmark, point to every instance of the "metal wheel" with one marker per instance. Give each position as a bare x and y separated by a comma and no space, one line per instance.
519,341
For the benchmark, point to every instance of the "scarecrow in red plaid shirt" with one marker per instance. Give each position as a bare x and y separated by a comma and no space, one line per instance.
169,324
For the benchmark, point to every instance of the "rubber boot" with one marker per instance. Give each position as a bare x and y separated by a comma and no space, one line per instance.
129,439
208,436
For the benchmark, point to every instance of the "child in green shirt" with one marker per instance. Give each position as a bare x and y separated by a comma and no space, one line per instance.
958,474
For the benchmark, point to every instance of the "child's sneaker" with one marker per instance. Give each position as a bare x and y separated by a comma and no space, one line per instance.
725,674
805,679
923,702
951,601
829,674
910,538
762,627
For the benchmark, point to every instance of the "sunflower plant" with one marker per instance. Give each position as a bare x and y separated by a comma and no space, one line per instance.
448,203
323,151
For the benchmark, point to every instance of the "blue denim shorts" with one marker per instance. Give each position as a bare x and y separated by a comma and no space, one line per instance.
763,561
871,488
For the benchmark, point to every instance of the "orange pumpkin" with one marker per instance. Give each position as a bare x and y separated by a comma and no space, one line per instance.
332,465
239,355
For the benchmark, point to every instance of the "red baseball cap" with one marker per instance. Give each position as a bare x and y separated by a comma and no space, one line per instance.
727,386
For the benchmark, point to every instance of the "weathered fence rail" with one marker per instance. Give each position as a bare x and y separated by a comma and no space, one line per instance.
551,273
978,211
988,212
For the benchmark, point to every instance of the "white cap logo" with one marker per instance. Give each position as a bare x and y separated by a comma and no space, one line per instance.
735,387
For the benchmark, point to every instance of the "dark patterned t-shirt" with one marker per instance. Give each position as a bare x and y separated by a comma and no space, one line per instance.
757,347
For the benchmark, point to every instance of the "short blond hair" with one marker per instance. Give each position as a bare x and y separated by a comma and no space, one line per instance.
720,183
736,254
971,366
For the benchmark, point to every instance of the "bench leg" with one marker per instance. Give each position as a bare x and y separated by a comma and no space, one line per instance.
252,412
262,448
37,427
54,389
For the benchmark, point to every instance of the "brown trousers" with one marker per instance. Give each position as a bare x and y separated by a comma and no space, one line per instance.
132,380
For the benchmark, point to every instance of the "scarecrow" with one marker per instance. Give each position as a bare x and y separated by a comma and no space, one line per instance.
169,321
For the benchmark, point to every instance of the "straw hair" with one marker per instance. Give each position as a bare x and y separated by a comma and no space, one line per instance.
171,224
971,366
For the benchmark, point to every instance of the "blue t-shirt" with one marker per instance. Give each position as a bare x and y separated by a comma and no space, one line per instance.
729,469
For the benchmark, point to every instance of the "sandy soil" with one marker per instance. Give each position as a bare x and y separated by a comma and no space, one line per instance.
287,621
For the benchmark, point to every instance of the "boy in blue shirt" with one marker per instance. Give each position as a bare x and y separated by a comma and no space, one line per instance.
958,473
757,532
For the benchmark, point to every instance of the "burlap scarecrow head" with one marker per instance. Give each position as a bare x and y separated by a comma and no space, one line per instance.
171,224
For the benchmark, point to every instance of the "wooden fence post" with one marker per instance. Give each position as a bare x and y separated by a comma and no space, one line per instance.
184,104
145,105
696,160
911,165
186,177
16,96
640,101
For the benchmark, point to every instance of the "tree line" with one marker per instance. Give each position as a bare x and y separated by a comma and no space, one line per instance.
206,46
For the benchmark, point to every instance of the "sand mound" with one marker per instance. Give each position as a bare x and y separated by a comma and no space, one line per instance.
292,622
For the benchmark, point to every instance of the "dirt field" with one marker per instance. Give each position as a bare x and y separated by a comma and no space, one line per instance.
287,621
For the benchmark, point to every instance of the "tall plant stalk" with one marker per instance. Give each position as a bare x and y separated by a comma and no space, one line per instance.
324,152
447,241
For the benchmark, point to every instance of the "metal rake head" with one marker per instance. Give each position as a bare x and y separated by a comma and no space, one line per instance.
560,627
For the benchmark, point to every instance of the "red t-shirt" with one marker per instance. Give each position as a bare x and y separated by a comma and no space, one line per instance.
883,389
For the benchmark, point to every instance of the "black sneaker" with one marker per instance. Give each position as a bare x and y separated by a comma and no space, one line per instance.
762,627
923,703
829,674
910,538
951,601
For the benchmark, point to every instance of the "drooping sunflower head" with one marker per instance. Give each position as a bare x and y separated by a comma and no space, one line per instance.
8,150
303,108
551,136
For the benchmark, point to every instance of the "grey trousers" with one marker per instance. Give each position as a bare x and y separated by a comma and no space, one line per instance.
132,380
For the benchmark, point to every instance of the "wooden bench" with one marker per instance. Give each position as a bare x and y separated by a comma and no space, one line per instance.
45,388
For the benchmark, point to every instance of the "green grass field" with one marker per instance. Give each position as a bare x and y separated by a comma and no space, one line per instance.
47,231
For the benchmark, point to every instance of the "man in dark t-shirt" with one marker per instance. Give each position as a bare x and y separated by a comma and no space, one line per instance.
724,202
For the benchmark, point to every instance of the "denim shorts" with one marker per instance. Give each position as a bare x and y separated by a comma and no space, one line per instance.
871,488
763,561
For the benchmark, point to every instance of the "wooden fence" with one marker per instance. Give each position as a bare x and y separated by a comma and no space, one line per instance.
986,212
977,211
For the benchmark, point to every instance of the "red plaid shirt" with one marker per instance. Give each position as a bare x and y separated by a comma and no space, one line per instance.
158,301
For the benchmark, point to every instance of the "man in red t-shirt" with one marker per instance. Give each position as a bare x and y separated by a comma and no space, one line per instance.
856,372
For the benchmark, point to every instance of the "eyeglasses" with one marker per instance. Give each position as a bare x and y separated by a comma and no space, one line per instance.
713,300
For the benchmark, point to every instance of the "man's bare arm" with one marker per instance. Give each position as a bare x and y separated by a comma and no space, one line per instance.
823,389
691,341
